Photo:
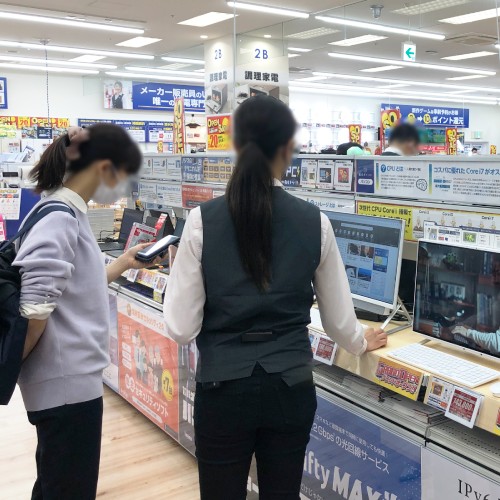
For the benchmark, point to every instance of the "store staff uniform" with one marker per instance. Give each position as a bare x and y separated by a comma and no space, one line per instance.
255,392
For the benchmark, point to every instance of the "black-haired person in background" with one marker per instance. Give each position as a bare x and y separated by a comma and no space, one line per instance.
343,148
404,140
242,286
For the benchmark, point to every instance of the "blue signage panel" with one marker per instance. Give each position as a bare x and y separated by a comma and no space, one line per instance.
161,96
3,93
431,116
192,169
350,457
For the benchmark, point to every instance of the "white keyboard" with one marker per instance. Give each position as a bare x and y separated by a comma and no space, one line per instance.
462,372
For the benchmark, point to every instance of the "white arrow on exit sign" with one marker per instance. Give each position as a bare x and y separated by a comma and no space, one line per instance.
409,52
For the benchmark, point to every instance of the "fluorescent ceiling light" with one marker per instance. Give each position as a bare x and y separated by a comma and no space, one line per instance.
426,7
394,86
311,79
468,77
184,60
378,69
87,58
203,37
207,19
201,70
470,55
298,49
314,33
138,41
268,10
413,83
15,16
151,77
358,40
178,66
159,71
291,56
73,50
50,69
458,92
52,62
379,27
268,36
439,67
473,17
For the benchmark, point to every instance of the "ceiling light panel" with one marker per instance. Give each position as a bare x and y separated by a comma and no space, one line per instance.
380,68
473,17
87,58
160,71
470,55
291,56
178,66
184,60
207,19
314,33
468,77
381,28
155,77
438,67
268,10
426,7
298,49
358,40
50,69
395,86
51,62
73,50
15,16
138,41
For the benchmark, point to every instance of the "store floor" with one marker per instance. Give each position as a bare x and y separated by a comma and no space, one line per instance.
138,460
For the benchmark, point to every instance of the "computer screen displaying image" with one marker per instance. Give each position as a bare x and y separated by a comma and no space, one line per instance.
457,296
371,250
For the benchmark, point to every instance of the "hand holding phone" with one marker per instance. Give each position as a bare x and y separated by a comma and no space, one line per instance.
156,249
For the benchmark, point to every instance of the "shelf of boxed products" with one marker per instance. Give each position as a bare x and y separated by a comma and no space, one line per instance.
403,379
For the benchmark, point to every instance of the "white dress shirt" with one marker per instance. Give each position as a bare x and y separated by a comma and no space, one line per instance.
185,295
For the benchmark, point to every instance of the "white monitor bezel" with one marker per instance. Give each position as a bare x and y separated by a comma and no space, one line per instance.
449,343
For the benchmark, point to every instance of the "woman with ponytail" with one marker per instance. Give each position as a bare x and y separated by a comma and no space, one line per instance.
64,295
242,285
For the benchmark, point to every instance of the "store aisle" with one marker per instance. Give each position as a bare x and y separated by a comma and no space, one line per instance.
138,460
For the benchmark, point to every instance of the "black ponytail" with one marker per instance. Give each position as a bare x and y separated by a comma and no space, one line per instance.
261,126
103,141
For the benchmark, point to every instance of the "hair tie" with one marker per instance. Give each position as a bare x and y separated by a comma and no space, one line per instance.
76,138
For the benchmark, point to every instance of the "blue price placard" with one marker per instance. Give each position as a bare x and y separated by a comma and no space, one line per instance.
161,96
431,116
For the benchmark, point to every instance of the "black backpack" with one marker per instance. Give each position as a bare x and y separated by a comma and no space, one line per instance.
13,327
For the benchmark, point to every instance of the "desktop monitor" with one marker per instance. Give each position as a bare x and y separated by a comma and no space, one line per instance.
457,296
129,217
371,250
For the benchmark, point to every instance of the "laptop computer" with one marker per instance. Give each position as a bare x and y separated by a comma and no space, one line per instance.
129,217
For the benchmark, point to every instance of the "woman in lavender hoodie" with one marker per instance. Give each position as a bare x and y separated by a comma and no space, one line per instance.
64,296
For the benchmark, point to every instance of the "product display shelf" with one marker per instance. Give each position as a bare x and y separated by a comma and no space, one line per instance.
332,379
366,366
475,445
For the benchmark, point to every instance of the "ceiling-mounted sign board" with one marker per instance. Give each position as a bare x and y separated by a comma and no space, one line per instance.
3,93
409,52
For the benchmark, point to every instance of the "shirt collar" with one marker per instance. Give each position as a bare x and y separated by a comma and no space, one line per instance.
277,183
66,195
394,149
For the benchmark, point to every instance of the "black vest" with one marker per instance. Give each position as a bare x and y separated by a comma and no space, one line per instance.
234,306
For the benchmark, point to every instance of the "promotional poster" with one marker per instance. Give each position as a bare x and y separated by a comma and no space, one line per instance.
148,365
188,360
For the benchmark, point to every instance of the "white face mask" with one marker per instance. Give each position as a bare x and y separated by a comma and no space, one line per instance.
106,195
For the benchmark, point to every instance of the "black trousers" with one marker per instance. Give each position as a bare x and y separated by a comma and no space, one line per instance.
68,451
259,414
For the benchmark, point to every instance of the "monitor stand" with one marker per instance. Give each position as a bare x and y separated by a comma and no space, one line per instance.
401,309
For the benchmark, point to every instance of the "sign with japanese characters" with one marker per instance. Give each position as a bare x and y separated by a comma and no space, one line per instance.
148,365
218,168
192,169
399,378
179,127
218,128
169,194
194,196
454,480
430,116
451,141
355,133
328,202
477,183
4,104
349,457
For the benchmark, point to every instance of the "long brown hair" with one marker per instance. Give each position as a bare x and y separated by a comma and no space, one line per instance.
261,126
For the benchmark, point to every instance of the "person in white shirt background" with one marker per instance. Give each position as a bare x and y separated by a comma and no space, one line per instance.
241,285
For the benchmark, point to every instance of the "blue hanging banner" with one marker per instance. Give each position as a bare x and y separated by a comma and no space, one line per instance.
430,116
3,93
160,96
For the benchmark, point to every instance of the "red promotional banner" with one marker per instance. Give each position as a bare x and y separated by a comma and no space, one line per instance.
355,133
194,196
451,141
179,126
148,368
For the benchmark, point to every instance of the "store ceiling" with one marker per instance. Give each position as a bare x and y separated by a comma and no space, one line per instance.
160,19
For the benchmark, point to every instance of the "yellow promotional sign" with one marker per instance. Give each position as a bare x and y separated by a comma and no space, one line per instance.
179,126
218,138
390,211
399,378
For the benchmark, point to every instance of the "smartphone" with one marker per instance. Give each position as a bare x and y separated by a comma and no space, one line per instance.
156,249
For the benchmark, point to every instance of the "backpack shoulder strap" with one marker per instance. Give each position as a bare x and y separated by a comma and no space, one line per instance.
40,212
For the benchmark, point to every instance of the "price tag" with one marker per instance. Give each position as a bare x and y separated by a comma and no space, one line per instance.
326,350
132,275
464,406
